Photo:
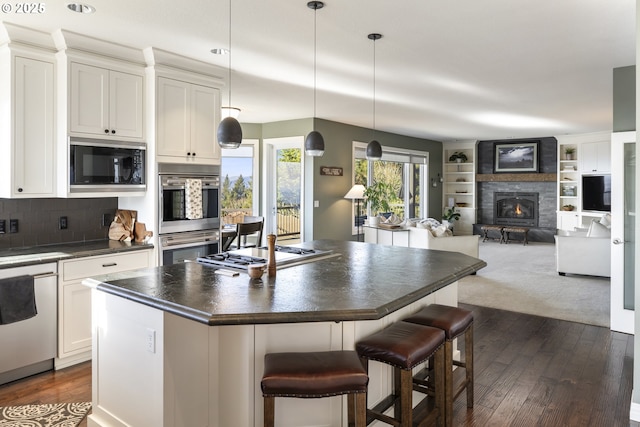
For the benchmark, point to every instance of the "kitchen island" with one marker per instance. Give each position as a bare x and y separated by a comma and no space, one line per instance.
180,345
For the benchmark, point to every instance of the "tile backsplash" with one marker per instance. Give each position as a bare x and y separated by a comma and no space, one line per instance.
38,220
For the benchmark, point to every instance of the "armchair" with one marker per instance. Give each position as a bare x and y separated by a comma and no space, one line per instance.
577,252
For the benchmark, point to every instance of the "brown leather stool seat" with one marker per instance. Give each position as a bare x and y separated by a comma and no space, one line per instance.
315,375
404,346
454,321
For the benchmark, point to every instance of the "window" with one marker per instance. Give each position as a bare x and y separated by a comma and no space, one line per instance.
406,172
239,182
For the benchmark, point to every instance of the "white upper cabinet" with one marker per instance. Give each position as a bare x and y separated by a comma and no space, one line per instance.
595,157
27,121
105,103
187,116
34,161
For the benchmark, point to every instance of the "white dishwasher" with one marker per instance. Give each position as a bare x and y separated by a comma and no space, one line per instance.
28,347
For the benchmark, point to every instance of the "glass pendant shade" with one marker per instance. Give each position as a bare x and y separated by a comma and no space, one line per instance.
314,144
374,150
229,133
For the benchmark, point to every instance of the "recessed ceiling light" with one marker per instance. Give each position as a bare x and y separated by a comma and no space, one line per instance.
220,51
81,8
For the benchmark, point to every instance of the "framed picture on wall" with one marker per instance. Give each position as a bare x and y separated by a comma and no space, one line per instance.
517,157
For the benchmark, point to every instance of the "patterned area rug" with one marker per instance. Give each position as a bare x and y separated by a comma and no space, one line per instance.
52,415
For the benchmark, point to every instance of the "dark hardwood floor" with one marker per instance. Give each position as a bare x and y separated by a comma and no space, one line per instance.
530,371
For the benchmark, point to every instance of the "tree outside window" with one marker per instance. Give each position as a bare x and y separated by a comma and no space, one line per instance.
404,171
236,197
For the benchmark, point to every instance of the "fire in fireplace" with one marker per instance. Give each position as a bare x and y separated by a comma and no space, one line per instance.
516,209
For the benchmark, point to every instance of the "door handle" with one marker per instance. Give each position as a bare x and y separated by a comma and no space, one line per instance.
617,241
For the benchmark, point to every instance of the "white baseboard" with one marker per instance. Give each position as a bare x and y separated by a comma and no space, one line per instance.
65,362
634,411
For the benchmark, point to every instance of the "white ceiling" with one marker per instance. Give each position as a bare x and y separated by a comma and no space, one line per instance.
445,70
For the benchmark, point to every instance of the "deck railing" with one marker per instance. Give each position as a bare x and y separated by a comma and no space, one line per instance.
288,218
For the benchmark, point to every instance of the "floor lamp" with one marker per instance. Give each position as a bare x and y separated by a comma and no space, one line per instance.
356,193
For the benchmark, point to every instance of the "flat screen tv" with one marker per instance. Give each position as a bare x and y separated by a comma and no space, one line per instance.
596,193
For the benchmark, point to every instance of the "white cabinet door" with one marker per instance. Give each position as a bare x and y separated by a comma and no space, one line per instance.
105,103
595,157
89,100
76,317
205,115
125,104
568,221
33,163
173,136
74,300
187,117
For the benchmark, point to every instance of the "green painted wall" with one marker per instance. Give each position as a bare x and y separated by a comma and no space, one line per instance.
332,218
624,99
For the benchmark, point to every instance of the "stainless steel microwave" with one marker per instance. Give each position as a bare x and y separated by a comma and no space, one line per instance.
104,166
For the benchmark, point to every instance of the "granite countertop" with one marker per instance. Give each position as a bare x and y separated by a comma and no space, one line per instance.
20,257
365,282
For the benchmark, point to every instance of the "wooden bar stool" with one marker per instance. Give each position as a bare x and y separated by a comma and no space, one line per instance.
315,375
454,321
404,346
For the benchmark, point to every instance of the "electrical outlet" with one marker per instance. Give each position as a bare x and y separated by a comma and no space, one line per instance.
63,223
3,226
13,226
151,340
107,218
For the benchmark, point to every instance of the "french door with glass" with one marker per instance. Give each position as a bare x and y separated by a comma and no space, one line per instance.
623,227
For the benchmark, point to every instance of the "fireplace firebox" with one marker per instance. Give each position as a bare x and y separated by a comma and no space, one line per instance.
514,208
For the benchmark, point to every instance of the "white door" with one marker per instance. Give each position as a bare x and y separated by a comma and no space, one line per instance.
173,118
89,103
34,161
284,183
623,172
125,104
205,116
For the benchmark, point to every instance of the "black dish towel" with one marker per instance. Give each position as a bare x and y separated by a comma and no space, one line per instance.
17,299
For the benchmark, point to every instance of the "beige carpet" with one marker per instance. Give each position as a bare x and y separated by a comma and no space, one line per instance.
524,279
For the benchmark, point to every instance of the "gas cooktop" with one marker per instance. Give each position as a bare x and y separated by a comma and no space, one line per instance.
241,258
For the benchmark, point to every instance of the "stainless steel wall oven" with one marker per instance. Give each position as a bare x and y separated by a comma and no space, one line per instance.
183,235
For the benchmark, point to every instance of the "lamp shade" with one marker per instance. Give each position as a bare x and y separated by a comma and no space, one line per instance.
229,133
374,150
314,144
356,192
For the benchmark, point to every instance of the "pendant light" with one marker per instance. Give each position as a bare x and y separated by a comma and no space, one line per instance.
314,143
374,149
229,129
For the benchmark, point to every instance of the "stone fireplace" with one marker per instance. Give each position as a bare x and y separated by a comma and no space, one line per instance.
516,209
518,199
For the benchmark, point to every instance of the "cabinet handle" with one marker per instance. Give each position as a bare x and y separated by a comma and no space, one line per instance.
106,131
113,131
111,264
193,154
20,190
188,154
43,275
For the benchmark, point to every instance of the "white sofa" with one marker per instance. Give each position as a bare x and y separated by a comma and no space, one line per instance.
578,253
422,238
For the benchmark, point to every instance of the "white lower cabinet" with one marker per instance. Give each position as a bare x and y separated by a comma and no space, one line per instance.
154,369
74,300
